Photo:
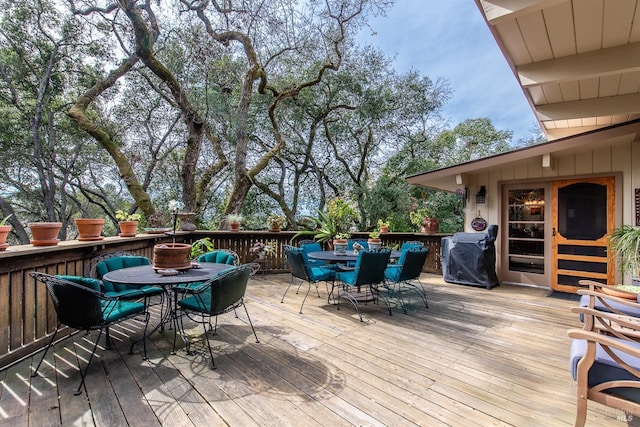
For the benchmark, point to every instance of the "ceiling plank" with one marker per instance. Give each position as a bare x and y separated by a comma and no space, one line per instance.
597,107
497,11
603,62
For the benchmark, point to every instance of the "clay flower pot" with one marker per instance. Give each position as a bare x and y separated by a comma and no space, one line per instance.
45,233
235,226
430,225
4,232
90,228
128,228
384,229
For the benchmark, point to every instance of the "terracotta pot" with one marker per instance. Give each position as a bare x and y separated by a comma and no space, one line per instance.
172,255
430,225
384,229
275,229
90,228
45,233
128,228
235,226
4,232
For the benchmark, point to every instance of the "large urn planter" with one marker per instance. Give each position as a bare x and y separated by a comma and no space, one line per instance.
128,228
340,246
45,233
4,233
90,228
175,256
374,244
187,221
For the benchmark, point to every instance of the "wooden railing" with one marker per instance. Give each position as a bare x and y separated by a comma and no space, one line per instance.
27,316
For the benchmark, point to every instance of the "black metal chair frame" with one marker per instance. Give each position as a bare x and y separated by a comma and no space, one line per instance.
368,274
96,305
220,301
90,271
409,282
298,268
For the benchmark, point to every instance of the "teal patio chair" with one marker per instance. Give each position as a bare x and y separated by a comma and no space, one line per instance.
361,283
79,304
404,277
302,269
101,265
216,296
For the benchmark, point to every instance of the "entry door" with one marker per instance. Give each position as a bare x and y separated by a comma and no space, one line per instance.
582,220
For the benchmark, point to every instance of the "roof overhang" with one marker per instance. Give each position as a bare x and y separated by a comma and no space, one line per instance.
453,177
577,62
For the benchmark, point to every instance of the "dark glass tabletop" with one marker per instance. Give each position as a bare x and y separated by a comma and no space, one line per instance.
348,256
147,275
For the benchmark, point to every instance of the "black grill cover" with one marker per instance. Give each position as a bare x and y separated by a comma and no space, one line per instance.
470,258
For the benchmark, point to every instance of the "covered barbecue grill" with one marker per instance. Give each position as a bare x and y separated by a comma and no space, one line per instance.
470,258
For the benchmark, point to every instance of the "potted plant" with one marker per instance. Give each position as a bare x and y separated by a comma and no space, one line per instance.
625,244
383,226
4,232
425,218
340,243
276,222
234,221
260,250
89,228
128,223
44,233
374,241
201,246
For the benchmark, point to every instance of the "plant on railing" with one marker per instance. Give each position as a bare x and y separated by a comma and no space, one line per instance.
339,218
276,222
122,215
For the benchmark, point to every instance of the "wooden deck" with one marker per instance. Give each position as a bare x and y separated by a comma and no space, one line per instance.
474,357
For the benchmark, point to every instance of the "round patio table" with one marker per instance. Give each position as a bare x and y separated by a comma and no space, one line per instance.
348,256
146,275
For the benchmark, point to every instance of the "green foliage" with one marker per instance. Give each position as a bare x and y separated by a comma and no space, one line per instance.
343,213
122,215
375,234
325,228
201,246
446,207
5,219
625,243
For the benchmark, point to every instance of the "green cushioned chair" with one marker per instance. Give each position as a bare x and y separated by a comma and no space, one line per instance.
216,296
404,277
79,304
302,269
361,283
116,262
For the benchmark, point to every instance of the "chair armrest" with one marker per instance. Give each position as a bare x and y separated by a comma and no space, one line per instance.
343,267
604,340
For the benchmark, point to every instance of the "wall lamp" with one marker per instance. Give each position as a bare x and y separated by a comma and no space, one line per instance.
481,196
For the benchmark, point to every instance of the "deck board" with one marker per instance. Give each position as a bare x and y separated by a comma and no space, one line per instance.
474,357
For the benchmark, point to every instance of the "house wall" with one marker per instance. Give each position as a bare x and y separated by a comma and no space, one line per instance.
614,158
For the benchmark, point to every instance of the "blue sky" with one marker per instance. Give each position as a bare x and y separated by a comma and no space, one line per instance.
449,39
